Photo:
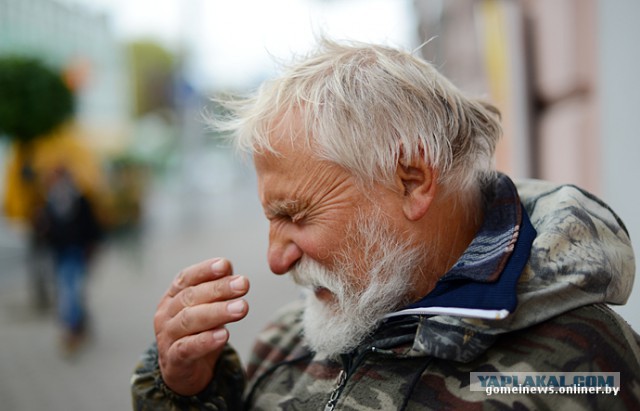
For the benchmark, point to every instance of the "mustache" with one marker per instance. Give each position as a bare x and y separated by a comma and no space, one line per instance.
308,273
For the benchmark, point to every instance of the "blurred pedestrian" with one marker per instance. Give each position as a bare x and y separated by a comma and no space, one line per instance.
70,228
37,106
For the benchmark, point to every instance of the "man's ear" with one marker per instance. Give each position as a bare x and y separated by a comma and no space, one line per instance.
419,184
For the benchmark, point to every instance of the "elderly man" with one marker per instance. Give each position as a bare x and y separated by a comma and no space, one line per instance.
422,265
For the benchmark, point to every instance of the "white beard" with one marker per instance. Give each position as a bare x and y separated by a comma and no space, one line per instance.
340,325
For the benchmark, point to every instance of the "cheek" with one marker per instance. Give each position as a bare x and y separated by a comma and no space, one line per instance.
325,244
329,237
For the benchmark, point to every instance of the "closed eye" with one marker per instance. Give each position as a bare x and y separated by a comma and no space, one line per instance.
298,217
292,211
294,218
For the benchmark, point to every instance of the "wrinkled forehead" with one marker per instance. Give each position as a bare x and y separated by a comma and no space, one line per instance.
292,174
284,153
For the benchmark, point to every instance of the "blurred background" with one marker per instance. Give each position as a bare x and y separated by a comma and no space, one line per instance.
166,193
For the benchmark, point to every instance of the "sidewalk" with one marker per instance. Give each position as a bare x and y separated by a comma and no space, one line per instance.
127,281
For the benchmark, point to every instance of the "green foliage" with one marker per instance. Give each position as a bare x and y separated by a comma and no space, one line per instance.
34,99
152,70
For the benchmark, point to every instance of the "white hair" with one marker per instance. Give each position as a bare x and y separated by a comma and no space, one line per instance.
367,108
392,266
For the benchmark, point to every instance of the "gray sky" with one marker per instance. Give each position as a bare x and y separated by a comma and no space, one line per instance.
232,42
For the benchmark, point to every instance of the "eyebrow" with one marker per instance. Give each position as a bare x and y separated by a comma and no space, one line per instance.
291,208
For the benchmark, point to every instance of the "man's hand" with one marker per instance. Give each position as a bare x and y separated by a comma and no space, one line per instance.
190,319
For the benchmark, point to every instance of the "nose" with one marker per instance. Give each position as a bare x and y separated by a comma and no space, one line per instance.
283,251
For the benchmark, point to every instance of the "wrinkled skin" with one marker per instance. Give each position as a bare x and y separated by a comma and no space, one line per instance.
190,319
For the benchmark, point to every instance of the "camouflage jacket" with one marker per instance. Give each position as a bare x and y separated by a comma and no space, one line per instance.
579,261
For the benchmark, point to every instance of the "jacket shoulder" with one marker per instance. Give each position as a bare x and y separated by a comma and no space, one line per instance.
541,197
588,339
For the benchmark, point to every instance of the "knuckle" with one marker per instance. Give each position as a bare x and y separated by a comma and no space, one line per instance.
179,281
185,318
203,341
158,320
214,290
187,297
217,289
181,351
163,364
200,346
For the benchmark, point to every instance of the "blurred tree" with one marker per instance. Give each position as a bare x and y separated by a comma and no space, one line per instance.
34,99
36,109
152,72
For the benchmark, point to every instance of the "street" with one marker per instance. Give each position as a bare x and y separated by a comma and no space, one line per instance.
130,273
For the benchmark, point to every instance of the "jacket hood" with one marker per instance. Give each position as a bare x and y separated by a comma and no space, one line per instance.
581,255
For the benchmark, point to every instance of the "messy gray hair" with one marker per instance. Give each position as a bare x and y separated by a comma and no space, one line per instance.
368,108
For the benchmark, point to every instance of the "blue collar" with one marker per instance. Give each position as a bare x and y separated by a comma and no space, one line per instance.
483,282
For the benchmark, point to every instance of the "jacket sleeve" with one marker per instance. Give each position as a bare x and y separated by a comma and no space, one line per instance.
224,392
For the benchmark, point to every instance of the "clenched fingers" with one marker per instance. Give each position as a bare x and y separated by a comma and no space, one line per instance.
190,319
223,289
199,318
194,347
187,365
200,299
207,270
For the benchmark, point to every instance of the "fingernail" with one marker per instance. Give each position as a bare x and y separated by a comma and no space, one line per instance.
218,266
220,334
238,284
236,307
